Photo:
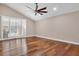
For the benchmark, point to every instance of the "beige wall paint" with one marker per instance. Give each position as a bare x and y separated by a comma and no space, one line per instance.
31,27
5,10
64,27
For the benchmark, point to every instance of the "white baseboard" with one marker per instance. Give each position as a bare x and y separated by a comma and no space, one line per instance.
58,40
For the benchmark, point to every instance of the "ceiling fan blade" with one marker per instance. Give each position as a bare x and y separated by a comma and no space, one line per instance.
29,8
43,11
40,13
36,6
42,8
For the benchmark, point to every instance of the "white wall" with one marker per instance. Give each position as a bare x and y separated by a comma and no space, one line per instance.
30,28
63,27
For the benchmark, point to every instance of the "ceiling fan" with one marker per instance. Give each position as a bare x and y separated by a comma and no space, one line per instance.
39,11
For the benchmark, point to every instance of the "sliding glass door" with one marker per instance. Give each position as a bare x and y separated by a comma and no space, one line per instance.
13,27
5,27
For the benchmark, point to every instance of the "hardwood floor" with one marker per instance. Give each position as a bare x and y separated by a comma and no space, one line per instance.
13,47
44,47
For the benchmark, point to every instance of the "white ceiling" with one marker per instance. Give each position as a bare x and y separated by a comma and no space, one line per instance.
61,9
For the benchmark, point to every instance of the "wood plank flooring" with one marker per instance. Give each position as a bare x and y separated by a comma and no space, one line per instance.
44,47
13,47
